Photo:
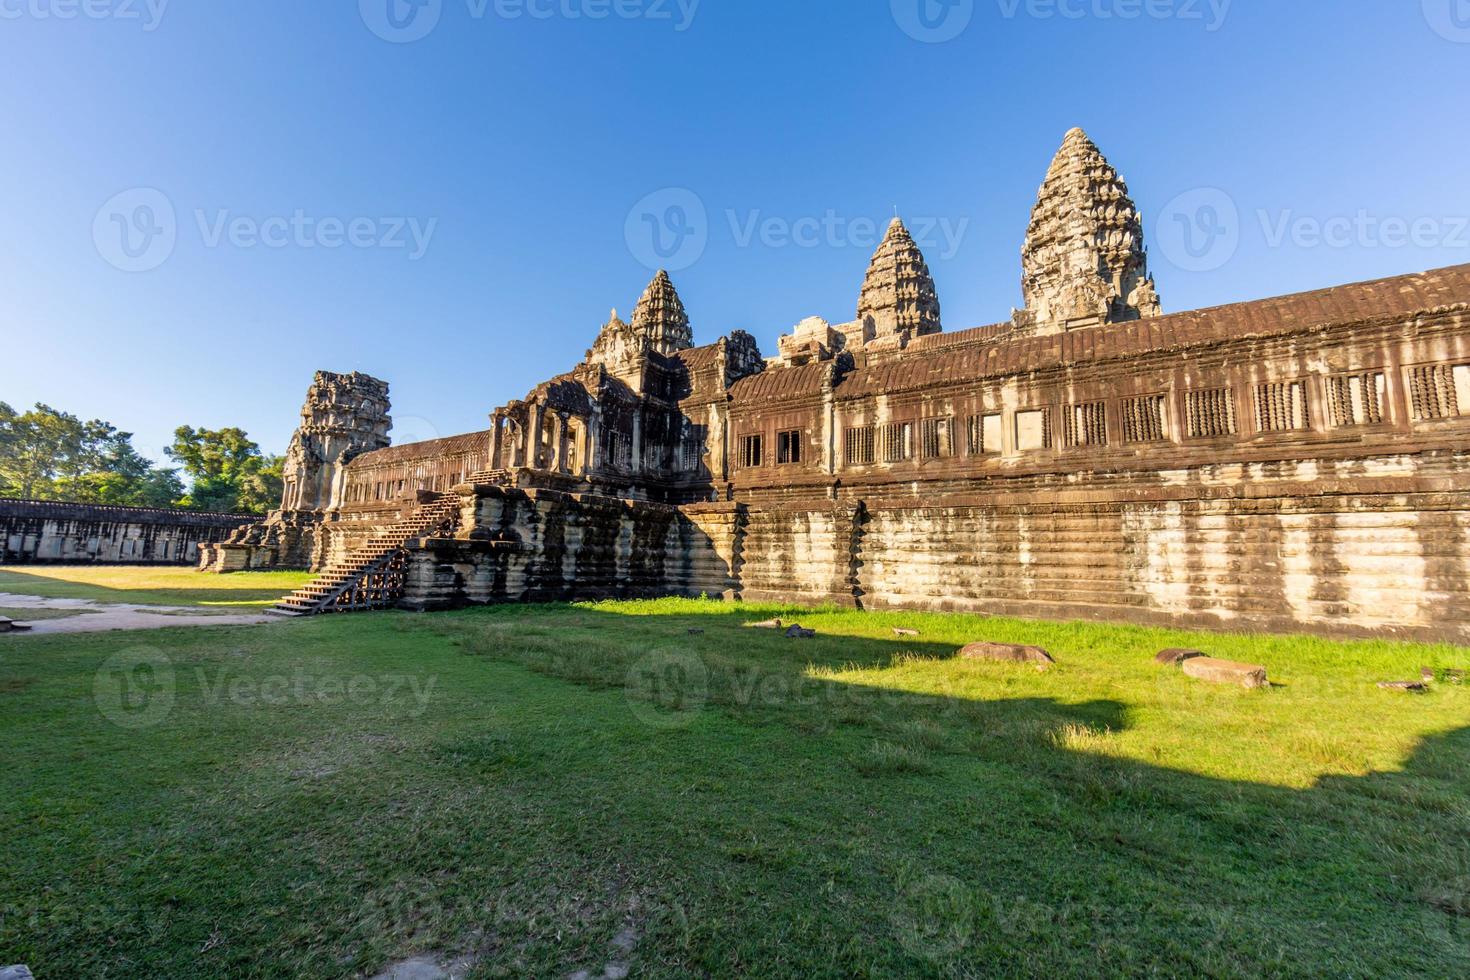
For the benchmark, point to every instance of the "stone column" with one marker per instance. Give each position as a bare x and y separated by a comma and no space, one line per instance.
561,443
533,450
497,437
638,440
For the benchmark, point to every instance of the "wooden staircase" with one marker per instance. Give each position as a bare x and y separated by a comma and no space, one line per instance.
372,576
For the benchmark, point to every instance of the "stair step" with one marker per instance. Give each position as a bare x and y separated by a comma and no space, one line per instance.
318,595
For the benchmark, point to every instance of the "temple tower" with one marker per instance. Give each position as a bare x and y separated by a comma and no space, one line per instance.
1084,261
898,301
660,319
345,415
619,349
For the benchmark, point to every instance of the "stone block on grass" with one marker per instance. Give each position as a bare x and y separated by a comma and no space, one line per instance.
1009,653
1413,687
1226,672
1174,657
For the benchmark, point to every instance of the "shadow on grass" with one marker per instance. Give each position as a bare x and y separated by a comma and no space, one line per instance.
736,796
1044,840
243,592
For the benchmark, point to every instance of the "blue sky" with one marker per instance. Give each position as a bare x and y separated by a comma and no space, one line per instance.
486,185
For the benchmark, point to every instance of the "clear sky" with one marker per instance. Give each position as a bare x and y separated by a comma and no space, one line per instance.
207,201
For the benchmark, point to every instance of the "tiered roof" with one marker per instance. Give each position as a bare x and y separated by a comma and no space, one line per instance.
898,298
1084,259
660,317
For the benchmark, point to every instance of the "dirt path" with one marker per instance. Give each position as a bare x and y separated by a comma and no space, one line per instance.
102,617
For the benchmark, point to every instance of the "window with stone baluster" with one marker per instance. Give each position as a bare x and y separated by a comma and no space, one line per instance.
1087,425
896,441
858,445
936,438
1143,418
1281,406
1357,399
1439,391
984,435
1210,412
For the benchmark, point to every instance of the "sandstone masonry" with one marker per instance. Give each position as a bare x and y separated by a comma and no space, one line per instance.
1294,463
47,532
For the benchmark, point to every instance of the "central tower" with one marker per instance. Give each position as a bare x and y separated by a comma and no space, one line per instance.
1084,263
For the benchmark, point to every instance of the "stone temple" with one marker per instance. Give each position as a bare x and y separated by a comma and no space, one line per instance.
1297,463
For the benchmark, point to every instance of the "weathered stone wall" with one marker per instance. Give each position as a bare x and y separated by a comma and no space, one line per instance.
543,545
1355,547
805,555
1378,546
34,531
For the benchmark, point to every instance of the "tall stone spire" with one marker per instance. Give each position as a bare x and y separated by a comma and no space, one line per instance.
1084,262
660,318
898,301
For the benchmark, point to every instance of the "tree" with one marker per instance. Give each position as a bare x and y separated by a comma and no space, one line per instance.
40,445
51,455
7,442
226,470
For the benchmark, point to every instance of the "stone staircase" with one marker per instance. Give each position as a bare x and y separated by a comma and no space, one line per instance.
490,477
371,577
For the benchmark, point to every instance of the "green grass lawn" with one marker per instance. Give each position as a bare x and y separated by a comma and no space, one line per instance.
160,585
557,788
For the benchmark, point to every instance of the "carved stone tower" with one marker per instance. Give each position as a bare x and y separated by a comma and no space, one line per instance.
1084,262
619,349
898,301
660,318
345,415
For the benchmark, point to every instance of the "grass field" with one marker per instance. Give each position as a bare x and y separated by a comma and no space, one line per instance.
164,585
560,788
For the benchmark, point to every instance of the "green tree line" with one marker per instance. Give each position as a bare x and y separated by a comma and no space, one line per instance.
50,455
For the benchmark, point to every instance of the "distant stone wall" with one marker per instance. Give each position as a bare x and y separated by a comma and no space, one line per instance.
1356,547
34,531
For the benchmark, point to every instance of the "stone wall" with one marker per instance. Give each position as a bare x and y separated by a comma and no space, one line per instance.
33,531
1356,547
542,545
